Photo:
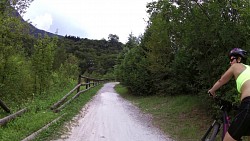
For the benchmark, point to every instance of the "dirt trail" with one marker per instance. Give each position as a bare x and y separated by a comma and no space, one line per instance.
108,117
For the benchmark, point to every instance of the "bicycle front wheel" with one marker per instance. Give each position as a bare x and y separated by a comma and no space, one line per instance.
212,133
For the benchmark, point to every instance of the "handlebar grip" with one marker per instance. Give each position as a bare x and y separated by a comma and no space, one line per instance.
210,94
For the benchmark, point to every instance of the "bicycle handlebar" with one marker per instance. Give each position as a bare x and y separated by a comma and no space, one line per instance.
223,103
219,99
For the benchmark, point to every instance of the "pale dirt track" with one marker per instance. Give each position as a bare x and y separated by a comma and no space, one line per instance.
108,117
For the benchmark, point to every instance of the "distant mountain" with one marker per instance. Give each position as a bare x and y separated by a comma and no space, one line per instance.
33,30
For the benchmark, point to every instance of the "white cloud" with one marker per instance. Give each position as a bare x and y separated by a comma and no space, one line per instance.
95,19
43,21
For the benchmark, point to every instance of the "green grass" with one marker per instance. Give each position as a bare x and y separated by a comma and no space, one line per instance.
70,111
181,117
39,115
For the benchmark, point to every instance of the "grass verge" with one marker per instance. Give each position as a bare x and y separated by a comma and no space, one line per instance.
183,117
39,115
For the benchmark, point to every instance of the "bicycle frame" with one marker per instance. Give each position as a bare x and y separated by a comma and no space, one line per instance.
225,107
226,121
215,123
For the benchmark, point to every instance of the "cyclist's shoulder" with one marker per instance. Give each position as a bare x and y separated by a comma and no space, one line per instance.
239,66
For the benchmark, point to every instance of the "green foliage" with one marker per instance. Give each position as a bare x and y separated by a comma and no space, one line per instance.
34,69
42,61
68,71
96,57
15,71
184,48
33,65
16,82
132,70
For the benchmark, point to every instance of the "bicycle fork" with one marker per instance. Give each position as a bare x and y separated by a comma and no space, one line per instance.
226,124
214,126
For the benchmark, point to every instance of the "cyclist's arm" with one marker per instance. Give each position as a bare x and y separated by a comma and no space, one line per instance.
223,80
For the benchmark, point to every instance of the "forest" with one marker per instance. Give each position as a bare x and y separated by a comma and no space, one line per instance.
184,49
35,63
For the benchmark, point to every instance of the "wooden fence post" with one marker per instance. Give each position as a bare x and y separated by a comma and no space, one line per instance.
6,109
79,82
87,81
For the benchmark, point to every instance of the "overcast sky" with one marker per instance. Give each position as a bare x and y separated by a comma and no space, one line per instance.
92,19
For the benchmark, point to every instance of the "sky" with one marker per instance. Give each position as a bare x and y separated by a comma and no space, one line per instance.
92,19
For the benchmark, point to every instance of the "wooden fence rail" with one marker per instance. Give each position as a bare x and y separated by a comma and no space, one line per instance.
67,102
5,120
33,135
58,105
82,81
88,81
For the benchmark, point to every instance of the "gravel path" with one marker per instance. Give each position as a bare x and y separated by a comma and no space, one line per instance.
108,117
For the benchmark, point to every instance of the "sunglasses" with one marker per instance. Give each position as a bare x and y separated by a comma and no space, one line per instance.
232,59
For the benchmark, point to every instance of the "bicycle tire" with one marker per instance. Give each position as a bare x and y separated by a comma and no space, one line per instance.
214,131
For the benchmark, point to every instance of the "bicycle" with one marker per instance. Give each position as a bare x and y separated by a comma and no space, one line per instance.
213,130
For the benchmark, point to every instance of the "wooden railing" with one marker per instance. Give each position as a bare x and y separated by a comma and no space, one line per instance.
88,81
4,106
82,81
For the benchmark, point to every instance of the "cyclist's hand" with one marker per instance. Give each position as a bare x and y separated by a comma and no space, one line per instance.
211,93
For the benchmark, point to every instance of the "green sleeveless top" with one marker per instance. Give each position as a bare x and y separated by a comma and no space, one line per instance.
243,77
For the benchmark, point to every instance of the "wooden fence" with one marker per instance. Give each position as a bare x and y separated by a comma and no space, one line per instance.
87,82
4,106
82,81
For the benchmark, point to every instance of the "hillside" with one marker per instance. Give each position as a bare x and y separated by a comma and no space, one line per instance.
33,30
96,56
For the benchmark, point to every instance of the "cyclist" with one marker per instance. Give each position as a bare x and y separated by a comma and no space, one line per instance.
240,126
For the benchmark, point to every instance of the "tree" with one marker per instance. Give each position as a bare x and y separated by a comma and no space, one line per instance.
20,5
131,68
15,71
180,40
113,38
42,62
